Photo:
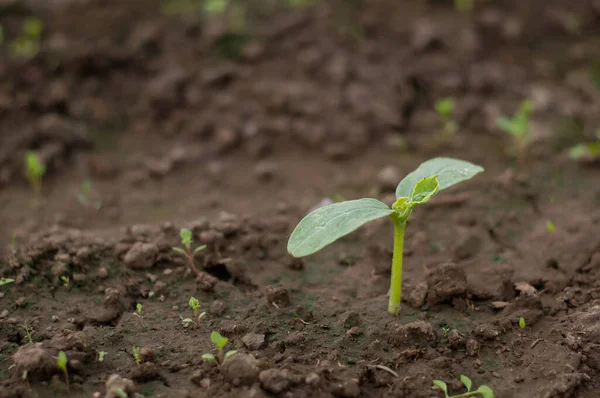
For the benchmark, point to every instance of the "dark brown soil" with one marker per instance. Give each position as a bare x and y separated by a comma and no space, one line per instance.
176,128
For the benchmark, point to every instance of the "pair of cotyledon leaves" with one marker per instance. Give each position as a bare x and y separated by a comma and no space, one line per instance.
327,224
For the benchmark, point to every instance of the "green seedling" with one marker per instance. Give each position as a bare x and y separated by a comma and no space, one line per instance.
550,226
186,241
27,44
464,5
34,171
101,355
195,306
122,393
26,328
136,355
88,199
61,363
522,323
518,127
220,342
445,330
327,224
138,313
586,152
66,280
483,391
445,108
6,281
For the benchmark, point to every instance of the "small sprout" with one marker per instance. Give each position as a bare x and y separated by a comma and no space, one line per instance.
220,342
24,326
88,199
138,308
61,363
136,355
27,44
138,313
24,375
34,171
195,306
445,330
518,127
101,355
464,5
445,108
522,323
186,241
6,281
550,226
483,391
589,152
66,280
327,224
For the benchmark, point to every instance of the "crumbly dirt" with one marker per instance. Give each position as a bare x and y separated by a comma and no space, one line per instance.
322,104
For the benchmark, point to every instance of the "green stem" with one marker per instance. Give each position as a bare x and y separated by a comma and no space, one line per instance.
396,282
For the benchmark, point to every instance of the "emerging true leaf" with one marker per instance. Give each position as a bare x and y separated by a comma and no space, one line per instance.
230,353
186,237
327,224
486,392
447,170
425,189
441,385
194,303
218,340
467,382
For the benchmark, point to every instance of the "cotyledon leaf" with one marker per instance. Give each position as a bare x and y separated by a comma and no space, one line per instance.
327,224
448,171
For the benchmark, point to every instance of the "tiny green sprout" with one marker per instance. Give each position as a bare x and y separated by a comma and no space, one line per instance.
464,5
136,355
138,313
66,280
195,306
589,152
34,171
445,108
26,328
518,127
445,330
220,341
550,226
186,241
27,44
138,308
327,224
522,323
101,355
88,200
6,281
61,363
24,375
483,391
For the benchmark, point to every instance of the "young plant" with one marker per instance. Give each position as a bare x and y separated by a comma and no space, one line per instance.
27,44
220,342
195,306
61,363
138,313
34,171
65,280
26,328
329,223
445,108
464,5
101,355
550,226
518,127
88,199
522,323
136,355
586,152
6,281
483,391
186,241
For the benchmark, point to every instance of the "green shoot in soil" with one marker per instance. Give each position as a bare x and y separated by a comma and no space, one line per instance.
27,44
136,355
66,280
464,5
186,241
220,342
138,313
522,323
24,326
34,171
6,281
550,226
589,152
329,223
88,200
518,127
483,391
101,355
61,363
195,306
445,108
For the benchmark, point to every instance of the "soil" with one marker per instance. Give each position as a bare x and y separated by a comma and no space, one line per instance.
176,125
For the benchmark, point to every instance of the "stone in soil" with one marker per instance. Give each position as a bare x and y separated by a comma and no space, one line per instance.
241,369
446,282
141,255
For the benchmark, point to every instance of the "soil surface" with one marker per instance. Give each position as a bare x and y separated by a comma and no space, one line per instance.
177,122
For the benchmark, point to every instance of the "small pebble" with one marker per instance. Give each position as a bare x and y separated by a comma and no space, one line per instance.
54,318
175,308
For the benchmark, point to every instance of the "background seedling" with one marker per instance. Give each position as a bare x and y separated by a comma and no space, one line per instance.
24,326
445,108
550,226
483,391
34,171
27,44
65,280
136,355
186,241
220,342
138,313
61,363
518,127
329,223
587,152
195,306
522,323
6,281
101,355
464,5
88,200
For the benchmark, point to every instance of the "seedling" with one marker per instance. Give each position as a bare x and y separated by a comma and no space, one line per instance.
61,363
136,355
327,224
138,313
26,328
483,391
220,342
6,281
522,323
586,152
195,306
27,44
550,226
34,171
518,127
66,280
445,108
186,241
445,330
101,355
88,199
